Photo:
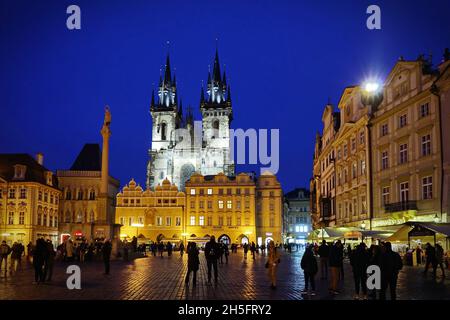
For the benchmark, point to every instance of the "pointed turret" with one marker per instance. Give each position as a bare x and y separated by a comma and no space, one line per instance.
216,68
202,96
167,75
229,95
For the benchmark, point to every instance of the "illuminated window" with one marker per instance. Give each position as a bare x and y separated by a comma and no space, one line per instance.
192,191
178,221
201,221
192,220
168,221
159,221
229,204
22,218
220,204
210,191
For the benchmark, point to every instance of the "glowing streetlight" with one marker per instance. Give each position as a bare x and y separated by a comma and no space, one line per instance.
137,226
371,87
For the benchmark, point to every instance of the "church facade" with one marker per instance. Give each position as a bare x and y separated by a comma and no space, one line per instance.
181,147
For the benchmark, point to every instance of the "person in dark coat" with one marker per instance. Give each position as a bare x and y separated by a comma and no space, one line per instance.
359,260
309,266
39,256
335,261
181,249
106,253
324,253
430,257
374,259
212,250
226,252
253,250
193,263
161,249
245,250
390,265
49,260
169,249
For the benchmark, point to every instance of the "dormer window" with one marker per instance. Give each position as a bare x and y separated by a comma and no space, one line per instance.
19,172
49,177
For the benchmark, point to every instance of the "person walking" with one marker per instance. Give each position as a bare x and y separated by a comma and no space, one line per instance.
273,260
359,260
430,257
193,263
16,256
335,261
374,259
106,253
49,261
309,266
245,250
169,249
439,260
211,255
5,250
161,249
226,252
390,265
324,253
418,255
39,254
253,250
220,259
181,249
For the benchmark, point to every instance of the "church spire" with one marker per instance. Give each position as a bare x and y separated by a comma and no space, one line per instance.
167,74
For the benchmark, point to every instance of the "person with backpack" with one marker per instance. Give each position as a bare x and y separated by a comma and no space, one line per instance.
5,250
390,265
309,266
212,254
193,263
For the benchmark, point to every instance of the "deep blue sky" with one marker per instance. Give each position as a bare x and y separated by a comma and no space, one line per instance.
284,60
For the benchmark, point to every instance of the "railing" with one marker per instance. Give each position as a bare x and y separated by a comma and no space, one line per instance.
401,206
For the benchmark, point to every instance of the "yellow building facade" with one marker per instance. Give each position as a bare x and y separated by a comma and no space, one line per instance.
151,215
29,199
233,209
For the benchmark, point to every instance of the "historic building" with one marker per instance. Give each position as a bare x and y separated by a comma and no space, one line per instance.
296,216
390,153
350,160
29,199
407,147
87,206
323,183
151,215
179,146
235,209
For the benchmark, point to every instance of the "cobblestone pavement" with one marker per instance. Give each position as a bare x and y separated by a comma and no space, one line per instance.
156,278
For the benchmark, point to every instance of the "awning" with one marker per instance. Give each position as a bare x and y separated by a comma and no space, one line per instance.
441,230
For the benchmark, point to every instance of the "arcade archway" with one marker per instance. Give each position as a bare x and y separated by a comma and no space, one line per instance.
225,239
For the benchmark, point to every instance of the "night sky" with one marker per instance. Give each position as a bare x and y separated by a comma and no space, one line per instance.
284,60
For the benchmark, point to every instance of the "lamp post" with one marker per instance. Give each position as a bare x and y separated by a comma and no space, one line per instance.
184,235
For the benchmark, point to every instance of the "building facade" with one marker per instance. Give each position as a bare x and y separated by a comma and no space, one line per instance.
181,147
87,205
233,209
323,183
29,199
390,153
297,216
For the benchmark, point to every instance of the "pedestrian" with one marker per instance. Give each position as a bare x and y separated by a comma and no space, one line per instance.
335,262
82,250
390,265
419,255
126,250
430,258
359,260
211,255
220,259
253,250
169,249
5,250
161,249
106,252
263,249
439,260
324,253
16,256
349,251
309,266
245,250
273,260
29,251
49,260
39,254
193,263
154,249
226,253
181,249
69,250
374,259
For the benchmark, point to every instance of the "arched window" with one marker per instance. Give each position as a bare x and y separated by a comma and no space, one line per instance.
91,217
67,217
79,217
163,131
216,124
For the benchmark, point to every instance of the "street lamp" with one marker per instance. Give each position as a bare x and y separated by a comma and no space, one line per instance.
436,218
184,235
363,225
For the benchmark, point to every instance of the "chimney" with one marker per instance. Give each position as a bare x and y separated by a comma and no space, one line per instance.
40,158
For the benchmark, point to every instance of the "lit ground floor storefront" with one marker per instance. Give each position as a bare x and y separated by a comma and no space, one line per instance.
26,234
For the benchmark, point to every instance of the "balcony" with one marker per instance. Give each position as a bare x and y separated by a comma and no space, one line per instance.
401,206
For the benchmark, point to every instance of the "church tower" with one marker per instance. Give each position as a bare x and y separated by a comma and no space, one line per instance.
217,115
165,120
